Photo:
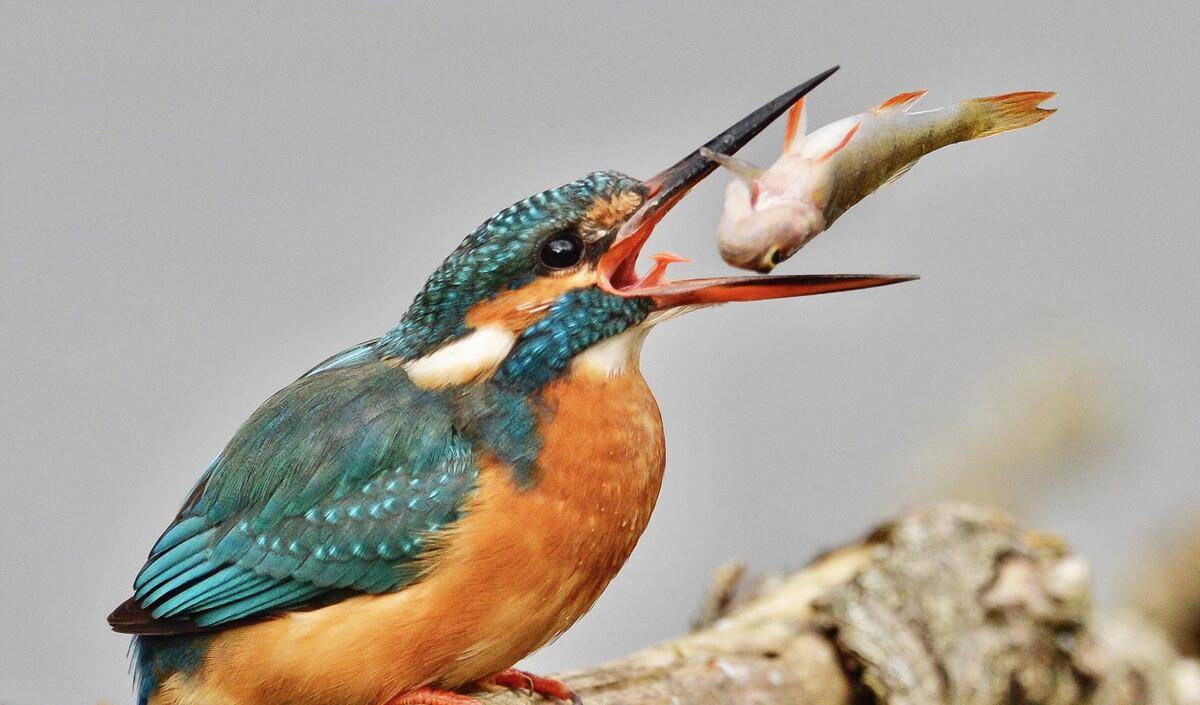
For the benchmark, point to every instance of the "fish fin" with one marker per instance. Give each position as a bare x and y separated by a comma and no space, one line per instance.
797,125
898,173
845,141
1001,113
902,101
742,169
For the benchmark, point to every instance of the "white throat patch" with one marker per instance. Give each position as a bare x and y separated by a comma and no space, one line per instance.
621,353
472,358
613,356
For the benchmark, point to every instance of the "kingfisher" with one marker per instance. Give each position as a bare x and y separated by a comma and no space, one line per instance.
414,515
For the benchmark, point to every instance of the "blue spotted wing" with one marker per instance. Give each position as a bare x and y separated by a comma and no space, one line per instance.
332,487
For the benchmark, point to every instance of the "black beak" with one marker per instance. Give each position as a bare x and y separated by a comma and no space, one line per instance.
672,183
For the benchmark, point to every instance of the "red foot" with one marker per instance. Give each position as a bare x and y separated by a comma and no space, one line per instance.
545,687
429,696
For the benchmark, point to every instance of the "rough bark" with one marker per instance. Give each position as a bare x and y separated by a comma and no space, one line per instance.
951,604
1169,589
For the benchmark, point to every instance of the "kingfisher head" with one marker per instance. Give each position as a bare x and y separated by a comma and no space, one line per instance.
554,277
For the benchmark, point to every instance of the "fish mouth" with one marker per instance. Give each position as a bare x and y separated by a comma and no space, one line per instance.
617,268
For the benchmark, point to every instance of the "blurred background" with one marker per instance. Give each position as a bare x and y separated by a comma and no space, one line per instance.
199,203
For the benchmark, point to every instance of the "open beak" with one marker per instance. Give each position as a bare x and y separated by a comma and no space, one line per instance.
618,266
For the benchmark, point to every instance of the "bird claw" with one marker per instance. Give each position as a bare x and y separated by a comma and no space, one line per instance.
549,688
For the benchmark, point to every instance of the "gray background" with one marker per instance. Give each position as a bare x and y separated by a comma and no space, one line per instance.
198,204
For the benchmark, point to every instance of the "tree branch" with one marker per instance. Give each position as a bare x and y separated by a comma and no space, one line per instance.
951,604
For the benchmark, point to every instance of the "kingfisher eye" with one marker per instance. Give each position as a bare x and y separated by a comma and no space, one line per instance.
562,250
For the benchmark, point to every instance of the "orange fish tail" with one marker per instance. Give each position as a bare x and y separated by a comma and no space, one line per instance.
1001,113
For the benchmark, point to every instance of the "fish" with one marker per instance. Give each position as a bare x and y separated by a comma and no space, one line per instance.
769,214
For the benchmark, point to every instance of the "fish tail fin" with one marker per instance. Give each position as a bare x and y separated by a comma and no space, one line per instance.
1001,113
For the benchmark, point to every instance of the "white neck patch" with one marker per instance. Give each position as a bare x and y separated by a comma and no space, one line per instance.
471,358
621,353
613,356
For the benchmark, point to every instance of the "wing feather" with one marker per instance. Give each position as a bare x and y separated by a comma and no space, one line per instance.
331,486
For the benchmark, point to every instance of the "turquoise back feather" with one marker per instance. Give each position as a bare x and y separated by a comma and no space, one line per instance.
334,483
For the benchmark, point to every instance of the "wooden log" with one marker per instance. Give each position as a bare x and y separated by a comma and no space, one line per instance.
950,605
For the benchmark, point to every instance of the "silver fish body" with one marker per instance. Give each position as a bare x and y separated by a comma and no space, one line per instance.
771,213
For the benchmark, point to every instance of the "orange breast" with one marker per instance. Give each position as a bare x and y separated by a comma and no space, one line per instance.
532,562
516,571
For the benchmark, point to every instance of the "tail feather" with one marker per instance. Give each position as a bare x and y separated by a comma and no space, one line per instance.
157,658
1001,113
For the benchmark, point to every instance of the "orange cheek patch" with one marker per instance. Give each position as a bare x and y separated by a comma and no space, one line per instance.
611,212
517,309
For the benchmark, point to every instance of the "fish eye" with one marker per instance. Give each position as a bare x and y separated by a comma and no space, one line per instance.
561,250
